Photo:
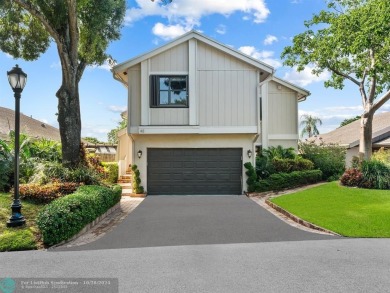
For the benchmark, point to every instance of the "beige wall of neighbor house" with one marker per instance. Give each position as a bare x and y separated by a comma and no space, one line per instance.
142,142
352,152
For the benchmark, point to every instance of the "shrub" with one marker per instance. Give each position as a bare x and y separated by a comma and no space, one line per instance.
95,164
376,175
6,166
290,165
136,182
83,174
46,193
329,158
352,177
382,155
112,171
66,216
264,167
252,177
289,180
279,152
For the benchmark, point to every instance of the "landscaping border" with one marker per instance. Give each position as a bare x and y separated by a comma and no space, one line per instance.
89,226
299,220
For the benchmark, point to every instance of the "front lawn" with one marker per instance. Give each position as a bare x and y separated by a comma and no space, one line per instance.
22,238
352,212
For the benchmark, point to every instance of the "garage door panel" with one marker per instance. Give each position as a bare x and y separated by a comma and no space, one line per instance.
194,171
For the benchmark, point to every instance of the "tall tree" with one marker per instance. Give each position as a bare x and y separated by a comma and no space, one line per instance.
81,29
309,124
112,136
352,42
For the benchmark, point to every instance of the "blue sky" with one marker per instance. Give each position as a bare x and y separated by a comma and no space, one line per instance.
260,28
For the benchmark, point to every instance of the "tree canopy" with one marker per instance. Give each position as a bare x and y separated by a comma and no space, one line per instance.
347,121
81,30
351,40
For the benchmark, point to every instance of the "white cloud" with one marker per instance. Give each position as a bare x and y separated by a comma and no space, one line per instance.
305,77
264,56
56,65
168,32
270,39
188,13
221,29
117,109
104,66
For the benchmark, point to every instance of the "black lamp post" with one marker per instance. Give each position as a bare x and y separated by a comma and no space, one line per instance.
17,79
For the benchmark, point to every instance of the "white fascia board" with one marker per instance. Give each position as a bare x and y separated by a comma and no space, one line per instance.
184,38
299,90
193,130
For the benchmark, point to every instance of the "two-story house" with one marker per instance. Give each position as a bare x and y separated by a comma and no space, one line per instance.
197,111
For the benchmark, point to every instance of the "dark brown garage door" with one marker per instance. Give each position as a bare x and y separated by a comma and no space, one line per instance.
194,171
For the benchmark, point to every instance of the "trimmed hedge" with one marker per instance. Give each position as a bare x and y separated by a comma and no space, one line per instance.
281,181
65,217
291,165
46,193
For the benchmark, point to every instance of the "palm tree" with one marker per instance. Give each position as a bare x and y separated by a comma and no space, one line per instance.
309,124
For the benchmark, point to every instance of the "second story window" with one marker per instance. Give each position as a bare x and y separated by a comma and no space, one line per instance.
169,91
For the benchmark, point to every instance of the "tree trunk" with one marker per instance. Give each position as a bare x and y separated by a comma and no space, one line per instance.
69,119
365,146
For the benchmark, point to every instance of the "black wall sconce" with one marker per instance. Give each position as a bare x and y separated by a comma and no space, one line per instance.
249,152
139,154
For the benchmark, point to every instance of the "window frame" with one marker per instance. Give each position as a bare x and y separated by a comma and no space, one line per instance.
155,91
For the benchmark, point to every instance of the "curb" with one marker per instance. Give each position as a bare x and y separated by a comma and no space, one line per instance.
299,220
88,226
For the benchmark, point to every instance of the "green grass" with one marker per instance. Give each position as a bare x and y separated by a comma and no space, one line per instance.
21,238
347,211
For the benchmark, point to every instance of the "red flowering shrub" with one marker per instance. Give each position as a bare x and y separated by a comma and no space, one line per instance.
352,177
95,163
47,193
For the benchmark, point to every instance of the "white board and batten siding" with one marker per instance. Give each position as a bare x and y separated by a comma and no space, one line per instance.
282,115
226,89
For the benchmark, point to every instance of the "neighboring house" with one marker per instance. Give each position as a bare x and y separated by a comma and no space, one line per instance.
349,136
197,111
28,125
106,152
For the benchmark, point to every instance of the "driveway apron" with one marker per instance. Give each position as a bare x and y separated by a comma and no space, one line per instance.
196,220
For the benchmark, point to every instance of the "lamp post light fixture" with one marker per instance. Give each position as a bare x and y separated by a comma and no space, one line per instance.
139,154
17,79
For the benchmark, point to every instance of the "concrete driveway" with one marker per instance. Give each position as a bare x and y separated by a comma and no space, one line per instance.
197,220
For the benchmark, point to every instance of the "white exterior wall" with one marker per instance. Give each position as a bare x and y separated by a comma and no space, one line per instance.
282,116
143,142
124,152
226,89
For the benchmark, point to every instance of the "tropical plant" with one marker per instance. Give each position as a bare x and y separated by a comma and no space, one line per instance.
309,124
375,174
279,152
382,155
351,40
6,166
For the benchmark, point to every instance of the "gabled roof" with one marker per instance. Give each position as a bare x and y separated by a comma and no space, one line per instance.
28,125
349,135
302,93
184,38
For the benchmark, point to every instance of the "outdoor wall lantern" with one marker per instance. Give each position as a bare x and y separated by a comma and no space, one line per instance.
249,152
17,79
139,154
